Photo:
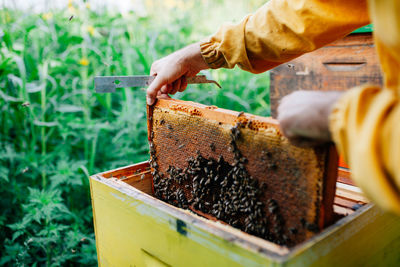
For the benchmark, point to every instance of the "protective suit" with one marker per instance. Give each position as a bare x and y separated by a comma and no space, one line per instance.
365,122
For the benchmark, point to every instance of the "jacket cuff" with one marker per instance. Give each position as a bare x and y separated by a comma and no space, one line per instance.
337,124
211,55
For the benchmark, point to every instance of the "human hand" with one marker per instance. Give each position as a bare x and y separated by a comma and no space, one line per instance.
304,117
172,70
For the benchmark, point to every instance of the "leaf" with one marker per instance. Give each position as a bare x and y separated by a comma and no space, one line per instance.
16,235
8,98
69,108
45,124
21,65
143,60
15,79
34,87
237,99
4,172
3,65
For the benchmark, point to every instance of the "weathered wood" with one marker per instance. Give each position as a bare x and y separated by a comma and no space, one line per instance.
339,66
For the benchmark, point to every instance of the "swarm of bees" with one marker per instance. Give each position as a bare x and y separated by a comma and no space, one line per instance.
225,191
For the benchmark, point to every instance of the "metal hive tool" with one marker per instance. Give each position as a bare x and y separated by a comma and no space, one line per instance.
238,168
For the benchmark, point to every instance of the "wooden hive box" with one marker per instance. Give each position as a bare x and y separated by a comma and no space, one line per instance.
339,66
133,228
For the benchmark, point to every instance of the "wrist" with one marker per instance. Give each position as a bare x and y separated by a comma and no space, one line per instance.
193,60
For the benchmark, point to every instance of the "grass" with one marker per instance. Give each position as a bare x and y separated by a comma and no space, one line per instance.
56,130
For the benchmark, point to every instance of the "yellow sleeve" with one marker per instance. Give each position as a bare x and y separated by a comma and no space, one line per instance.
365,126
365,123
282,30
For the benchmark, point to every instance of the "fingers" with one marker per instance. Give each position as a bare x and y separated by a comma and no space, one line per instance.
175,86
184,84
306,142
164,89
153,89
164,96
160,84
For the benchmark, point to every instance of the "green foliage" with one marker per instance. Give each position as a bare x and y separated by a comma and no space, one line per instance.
56,130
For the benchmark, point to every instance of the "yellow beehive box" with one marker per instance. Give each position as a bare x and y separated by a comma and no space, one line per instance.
133,228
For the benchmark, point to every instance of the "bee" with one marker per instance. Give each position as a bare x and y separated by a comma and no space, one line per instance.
212,147
169,127
216,177
152,150
273,166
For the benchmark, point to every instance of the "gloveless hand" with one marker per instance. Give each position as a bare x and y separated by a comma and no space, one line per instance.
172,70
304,117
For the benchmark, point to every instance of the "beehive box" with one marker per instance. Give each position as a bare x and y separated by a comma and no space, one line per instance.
339,66
133,228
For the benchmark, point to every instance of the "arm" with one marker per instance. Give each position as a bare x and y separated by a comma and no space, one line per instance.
278,32
364,124
172,70
365,121
365,127
282,30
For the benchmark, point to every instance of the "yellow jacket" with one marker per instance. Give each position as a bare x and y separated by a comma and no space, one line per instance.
365,123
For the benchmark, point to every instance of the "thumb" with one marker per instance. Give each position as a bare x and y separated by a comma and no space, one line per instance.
153,89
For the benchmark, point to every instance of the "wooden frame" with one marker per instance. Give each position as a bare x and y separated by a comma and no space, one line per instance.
302,182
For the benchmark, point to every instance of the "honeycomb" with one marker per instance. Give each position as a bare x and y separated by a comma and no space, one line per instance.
239,169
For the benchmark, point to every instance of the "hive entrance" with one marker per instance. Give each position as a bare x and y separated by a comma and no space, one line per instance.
239,169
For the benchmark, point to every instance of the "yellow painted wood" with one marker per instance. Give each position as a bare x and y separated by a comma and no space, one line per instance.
369,237
134,229
126,227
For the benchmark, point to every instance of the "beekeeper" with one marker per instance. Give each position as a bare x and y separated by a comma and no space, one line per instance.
364,122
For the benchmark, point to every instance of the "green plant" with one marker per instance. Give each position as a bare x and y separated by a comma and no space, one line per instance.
56,130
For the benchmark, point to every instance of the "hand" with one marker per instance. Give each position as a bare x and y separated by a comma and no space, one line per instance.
304,117
172,70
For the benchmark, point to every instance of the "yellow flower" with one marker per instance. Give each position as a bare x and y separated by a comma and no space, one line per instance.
90,29
47,16
84,61
87,5
7,17
71,7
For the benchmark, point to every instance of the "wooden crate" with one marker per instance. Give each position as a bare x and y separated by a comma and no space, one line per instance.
339,66
133,228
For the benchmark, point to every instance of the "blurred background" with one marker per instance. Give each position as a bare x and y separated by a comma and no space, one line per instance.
55,131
